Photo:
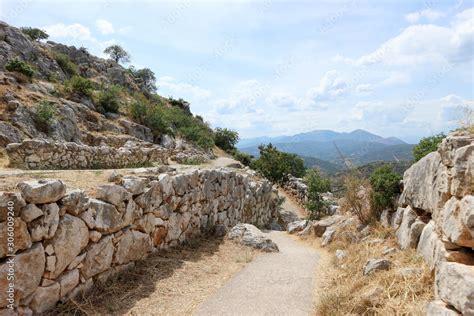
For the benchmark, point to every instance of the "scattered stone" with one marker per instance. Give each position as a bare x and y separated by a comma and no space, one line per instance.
341,254
286,217
297,226
388,251
115,177
328,236
42,191
45,298
374,265
319,227
251,236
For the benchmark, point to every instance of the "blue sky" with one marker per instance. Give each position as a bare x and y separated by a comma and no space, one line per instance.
395,68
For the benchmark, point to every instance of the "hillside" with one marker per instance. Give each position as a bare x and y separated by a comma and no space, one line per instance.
359,146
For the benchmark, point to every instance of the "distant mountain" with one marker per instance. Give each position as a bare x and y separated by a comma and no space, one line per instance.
360,146
326,167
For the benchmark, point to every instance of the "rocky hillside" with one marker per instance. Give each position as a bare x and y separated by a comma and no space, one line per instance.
62,93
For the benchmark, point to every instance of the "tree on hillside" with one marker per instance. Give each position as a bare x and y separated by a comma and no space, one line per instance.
427,145
225,139
275,164
385,186
316,186
34,33
117,53
144,78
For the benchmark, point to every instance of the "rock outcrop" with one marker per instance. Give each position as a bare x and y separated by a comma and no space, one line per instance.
68,240
436,216
251,236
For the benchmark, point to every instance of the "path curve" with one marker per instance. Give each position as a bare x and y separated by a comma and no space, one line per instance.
273,284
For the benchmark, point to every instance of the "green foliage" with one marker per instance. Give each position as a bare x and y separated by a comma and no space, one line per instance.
427,145
171,120
20,66
385,186
66,64
275,165
80,85
109,99
34,33
45,112
117,53
316,186
243,158
144,78
182,104
225,139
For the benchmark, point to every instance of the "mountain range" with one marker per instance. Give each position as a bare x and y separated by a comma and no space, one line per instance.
328,149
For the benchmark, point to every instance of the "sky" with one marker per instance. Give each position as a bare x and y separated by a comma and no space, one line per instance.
268,68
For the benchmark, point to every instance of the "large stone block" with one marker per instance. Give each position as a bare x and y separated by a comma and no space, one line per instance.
44,227
113,193
132,246
454,285
463,171
28,267
99,257
455,221
42,191
13,239
45,298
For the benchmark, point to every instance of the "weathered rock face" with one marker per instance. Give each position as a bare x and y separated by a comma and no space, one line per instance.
66,240
441,186
42,154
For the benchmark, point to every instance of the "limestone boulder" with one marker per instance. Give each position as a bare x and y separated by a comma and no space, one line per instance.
439,308
456,221
29,267
463,171
319,227
15,240
397,217
132,246
99,257
134,185
74,202
251,236
454,285
426,184
112,193
410,229
42,191
152,197
10,201
374,265
71,237
104,216
45,298
286,217
297,226
328,236
30,213
44,227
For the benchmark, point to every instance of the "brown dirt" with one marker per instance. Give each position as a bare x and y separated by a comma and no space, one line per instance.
173,282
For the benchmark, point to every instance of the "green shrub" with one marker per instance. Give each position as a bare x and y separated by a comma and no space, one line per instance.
34,33
20,66
44,114
225,139
80,85
109,99
144,78
180,103
66,64
243,158
427,145
316,186
385,186
276,165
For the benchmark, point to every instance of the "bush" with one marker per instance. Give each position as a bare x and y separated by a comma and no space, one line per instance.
225,139
144,78
276,165
385,186
316,185
34,33
427,145
109,99
66,64
356,193
117,53
182,104
80,85
242,157
45,112
21,67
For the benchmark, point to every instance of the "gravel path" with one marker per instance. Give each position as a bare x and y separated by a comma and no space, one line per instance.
273,284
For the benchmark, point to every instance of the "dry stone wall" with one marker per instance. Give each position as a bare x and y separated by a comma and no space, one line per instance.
43,154
297,189
64,241
436,216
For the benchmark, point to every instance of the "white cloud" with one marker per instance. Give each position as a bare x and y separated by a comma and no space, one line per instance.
397,78
365,88
180,89
427,43
428,14
74,31
104,27
332,85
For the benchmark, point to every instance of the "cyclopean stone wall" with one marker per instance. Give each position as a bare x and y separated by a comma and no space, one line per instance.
436,216
64,241
297,189
42,154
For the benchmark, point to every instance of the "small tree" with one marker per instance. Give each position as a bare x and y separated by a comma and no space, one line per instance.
427,145
225,139
20,66
34,33
146,79
316,186
117,53
44,114
276,165
109,99
355,200
385,186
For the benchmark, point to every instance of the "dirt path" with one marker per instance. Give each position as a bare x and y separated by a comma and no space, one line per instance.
273,284
291,205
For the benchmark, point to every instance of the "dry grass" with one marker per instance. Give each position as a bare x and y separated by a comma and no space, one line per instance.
344,283
173,282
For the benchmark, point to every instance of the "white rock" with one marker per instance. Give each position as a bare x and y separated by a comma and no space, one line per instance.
42,191
251,236
45,298
454,285
30,212
373,265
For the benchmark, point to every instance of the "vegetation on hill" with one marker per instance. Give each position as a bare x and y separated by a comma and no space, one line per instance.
34,33
427,145
117,53
17,65
225,139
317,185
385,185
276,165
